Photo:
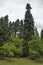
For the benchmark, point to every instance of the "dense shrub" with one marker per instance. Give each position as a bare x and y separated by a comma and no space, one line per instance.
18,44
7,49
34,54
35,48
12,48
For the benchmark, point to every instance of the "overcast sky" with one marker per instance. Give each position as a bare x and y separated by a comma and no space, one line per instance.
16,9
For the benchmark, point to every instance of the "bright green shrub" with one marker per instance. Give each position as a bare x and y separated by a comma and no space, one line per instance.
35,48
11,54
7,50
12,48
18,44
34,54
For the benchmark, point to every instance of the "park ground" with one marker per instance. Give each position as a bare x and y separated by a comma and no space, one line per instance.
19,61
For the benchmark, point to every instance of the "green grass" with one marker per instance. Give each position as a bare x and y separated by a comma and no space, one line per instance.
19,61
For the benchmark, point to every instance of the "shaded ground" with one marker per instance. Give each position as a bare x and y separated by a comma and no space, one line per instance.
19,61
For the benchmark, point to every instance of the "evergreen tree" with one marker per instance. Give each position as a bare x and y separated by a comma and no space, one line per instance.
36,32
17,27
4,31
1,31
6,27
21,29
42,34
28,29
13,28
6,21
10,28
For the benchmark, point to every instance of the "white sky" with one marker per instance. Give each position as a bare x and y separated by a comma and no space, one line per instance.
16,9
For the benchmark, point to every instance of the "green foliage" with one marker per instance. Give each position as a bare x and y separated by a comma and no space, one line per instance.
28,29
21,29
12,48
10,54
7,49
19,38
9,46
35,48
42,34
4,31
18,44
36,32
34,54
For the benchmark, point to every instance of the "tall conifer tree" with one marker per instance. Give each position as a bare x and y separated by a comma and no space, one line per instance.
28,29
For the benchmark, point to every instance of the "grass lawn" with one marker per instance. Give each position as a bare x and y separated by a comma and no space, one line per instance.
19,61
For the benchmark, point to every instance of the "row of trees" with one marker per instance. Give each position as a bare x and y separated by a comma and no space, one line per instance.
15,48
25,30
4,31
